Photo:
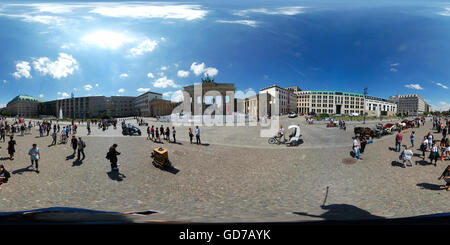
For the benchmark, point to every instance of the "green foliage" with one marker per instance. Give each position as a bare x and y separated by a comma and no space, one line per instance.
105,116
324,115
6,113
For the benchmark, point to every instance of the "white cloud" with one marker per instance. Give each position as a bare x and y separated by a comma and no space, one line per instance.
163,82
161,74
106,39
163,68
41,96
211,71
96,85
393,70
442,85
395,64
62,67
442,106
199,69
150,75
42,19
251,23
139,11
294,10
23,69
121,90
182,73
175,96
144,47
123,75
87,87
143,90
414,86
2,105
163,39
63,95
4,81
244,94
445,13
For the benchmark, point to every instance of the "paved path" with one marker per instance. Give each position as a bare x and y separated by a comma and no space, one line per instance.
217,183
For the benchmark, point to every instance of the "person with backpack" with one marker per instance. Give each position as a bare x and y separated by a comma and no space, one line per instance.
112,157
4,175
81,146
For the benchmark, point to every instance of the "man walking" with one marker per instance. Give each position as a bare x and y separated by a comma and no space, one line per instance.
398,141
356,147
112,157
54,135
74,142
173,133
197,135
412,138
81,146
35,155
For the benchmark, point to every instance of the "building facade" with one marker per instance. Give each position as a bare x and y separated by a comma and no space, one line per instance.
330,102
142,103
410,104
24,106
380,107
285,99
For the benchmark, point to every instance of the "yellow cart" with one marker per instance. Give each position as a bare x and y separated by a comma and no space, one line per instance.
160,158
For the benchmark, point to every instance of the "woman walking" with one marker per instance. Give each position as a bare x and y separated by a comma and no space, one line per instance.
434,154
191,135
11,147
423,146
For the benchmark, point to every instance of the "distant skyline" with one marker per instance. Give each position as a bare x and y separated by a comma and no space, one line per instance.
52,49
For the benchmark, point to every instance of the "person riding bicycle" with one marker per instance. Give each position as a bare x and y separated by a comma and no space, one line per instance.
280,134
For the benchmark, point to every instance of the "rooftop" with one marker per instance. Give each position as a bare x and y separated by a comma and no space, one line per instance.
26,98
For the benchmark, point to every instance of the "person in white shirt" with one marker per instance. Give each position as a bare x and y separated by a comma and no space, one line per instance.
407,155
356,148
434,154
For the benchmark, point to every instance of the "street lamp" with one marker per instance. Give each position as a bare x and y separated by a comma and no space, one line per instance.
365,94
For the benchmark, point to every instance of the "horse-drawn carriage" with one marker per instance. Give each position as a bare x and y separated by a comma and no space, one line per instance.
160,158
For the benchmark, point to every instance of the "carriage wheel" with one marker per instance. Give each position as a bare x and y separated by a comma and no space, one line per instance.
271,141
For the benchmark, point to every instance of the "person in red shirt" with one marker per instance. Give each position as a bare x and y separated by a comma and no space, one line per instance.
398,141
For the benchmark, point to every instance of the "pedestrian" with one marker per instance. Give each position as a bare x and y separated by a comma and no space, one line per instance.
4,175
444,132
356,148
148,133
434,154
191,135
197,135
424,146
112,157
152,132
430,140
3,134
412,138
11,147
74,142
54,135
363,143
173,134
35,155
81,146
157,139
446,176
161,131
168,134
406,156
398,141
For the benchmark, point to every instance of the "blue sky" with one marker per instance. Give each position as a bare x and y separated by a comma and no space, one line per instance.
53,49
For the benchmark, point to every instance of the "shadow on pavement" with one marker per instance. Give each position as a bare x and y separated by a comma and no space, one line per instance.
116,175
206,144
172,170
342,212
397,164
423,163
176,143
77,163
432,187
70,157
22,170
4,158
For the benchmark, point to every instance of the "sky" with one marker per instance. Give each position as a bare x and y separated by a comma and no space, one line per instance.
52,49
